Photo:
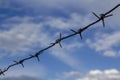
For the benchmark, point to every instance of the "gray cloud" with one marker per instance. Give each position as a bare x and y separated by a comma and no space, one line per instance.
67,7
20,78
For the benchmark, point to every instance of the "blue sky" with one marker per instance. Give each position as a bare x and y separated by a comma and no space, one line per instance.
27,26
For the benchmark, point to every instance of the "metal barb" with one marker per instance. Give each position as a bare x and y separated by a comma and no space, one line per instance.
22,65
31,55
81,36
37,56
102,16
95,15
60,40
77,32
73,31
103,22
16,62
2,72
109,15
80,33
60,44
53,43
20,62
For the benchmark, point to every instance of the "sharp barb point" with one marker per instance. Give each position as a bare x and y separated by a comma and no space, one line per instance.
81,36
21,62
109,15
73,30
60,44
22,65
95,15
52,43
15,62
103,22
38,58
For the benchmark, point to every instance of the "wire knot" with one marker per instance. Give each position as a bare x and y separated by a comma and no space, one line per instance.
20,62
58,41
78,32
2,72
36,55
102,17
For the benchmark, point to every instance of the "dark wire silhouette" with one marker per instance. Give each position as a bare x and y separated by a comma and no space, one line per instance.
101,17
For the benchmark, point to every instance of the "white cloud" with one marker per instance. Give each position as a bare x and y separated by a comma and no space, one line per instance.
22,37
95,72
106,43
111,53
75,21
24,33
110,74
71,74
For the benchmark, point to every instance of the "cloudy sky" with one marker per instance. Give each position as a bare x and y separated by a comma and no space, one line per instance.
27,26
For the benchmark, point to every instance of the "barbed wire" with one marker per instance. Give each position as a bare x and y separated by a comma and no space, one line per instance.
101,17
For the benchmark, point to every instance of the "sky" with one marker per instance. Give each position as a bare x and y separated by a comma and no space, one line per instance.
27,26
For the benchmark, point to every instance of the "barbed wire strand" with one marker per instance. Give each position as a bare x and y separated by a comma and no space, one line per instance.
101,17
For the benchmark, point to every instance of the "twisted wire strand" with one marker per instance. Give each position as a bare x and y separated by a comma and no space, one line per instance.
58,41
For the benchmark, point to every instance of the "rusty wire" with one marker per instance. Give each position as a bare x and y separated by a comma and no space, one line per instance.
101,17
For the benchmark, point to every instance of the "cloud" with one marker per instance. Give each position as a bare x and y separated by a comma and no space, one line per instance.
22,37
35,71
64,54
24,33
107,74
20,78
66,3
71,74
106,43
110,74
75,21
65,7
56,7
